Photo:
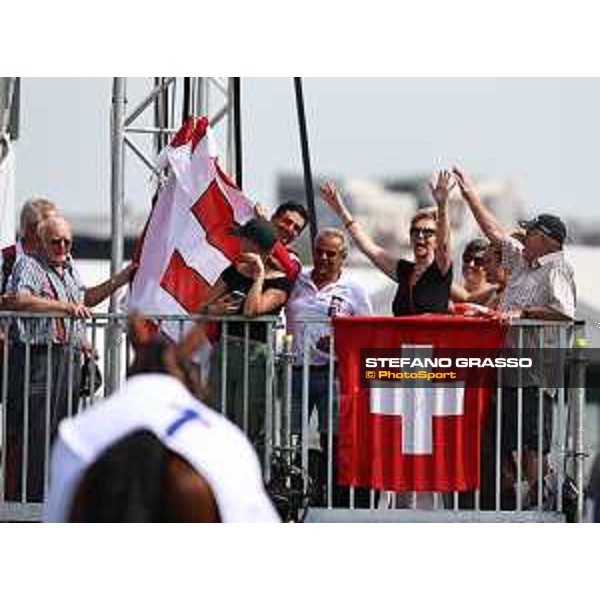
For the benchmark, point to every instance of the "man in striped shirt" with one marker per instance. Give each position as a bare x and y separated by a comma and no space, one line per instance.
541,286
51,348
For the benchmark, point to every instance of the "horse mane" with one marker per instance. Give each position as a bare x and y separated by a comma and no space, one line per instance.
139,480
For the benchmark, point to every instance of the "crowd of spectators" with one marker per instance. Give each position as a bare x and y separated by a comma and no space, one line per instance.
519,275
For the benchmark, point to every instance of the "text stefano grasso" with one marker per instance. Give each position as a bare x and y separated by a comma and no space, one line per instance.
436,363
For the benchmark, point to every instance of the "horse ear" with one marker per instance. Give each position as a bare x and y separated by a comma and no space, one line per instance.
141,331
192,341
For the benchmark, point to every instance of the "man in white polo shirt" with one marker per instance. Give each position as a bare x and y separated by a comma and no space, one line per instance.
320,293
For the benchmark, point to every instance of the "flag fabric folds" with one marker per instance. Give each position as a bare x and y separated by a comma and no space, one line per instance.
413,438
187,241
7,192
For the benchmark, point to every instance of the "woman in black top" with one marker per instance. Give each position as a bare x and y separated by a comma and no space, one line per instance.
423,284
252,286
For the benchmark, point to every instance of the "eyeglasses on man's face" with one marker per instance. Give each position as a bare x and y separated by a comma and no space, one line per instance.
60,241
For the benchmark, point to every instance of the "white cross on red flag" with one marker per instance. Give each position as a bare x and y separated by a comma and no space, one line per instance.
413,438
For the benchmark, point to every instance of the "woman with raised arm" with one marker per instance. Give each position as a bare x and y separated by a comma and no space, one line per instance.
423,284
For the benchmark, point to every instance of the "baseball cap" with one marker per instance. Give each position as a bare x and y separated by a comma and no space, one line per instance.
550,225
259,231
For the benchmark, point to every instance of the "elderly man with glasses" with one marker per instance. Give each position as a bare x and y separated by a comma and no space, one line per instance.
45,354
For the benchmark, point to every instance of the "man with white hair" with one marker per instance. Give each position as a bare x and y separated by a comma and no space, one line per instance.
46,282
33,212
319,294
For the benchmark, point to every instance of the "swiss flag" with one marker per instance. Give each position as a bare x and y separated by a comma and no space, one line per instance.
421,438
187,242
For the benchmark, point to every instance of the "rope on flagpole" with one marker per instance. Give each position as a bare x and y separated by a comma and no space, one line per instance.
308,181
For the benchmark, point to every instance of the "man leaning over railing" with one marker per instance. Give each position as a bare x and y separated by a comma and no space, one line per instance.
46,282
541,286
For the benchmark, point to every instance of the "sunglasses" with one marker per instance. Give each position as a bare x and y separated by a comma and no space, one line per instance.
424,232
475,261
60,241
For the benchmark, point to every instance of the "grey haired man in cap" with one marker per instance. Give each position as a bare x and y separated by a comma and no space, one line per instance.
541,286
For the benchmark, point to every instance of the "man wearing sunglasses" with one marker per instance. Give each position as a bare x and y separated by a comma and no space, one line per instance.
46,282
541,285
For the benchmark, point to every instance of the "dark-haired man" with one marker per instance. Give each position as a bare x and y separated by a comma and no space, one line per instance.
290,220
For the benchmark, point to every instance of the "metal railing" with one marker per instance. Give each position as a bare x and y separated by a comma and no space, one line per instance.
258,381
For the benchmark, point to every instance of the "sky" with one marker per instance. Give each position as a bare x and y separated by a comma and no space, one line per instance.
541,133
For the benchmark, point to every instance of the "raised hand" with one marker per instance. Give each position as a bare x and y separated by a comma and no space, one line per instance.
332,197
467,189
260,211
443,187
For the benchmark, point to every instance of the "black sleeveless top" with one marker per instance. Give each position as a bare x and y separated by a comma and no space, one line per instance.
431,293
236,281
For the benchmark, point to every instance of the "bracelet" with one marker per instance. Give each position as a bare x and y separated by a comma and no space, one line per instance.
349,223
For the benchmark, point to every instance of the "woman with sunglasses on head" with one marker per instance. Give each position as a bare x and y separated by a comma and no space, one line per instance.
424,283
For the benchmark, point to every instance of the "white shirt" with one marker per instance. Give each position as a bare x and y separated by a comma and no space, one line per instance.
548,282
309,309
158,403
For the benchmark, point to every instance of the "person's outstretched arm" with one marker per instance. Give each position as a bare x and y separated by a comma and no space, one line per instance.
485,219
380,257
441,192
97,293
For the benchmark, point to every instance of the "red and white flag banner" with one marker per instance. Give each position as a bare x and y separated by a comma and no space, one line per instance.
187,241
412,439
